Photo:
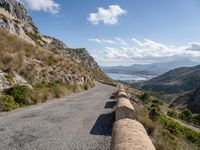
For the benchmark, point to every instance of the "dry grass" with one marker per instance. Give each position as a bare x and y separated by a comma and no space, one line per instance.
34,63
43,92
51,75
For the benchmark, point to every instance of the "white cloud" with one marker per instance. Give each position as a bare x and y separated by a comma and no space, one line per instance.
194,46
96,40
107,16
151,50
136,41
121,41
42,5
108,41
103,41
114,41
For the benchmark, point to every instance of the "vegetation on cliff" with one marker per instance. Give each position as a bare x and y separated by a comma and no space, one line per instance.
45,74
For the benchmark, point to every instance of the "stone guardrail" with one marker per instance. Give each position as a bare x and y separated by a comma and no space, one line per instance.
111,84
127,133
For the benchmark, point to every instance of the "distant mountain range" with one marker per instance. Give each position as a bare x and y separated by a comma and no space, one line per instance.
179,80
150,69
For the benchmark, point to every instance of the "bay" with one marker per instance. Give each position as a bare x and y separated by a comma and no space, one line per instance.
127,77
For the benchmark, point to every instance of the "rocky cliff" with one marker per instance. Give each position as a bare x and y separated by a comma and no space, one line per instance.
15,19
56,62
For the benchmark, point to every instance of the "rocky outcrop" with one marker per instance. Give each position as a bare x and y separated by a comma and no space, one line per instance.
6,80
15,19
24,63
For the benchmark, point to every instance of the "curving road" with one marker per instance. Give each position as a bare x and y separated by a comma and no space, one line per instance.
82,121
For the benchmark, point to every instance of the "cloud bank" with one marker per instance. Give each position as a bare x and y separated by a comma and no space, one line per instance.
107,16
147,50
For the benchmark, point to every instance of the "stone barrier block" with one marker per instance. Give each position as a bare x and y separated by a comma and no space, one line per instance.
124,109
129,134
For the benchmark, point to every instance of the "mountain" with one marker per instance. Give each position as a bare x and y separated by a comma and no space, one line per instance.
179,80
190,100
29,57
150,69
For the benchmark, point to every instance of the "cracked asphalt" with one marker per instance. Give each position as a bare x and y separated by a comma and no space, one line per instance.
82,121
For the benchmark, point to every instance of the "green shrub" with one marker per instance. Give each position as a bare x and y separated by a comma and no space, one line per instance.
172,113
7,103
196,119
20,94
154,114
9,77
186,115
145,98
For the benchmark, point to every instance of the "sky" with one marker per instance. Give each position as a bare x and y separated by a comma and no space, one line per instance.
123,32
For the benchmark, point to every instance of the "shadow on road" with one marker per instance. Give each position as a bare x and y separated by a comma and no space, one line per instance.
110,104
103,125
112,96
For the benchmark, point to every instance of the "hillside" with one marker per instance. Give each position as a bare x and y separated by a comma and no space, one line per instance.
175,81
150,69
15,19
190,101
36,67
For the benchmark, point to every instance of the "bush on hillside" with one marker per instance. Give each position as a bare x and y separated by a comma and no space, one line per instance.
7,103
186,115
179,130
20,94
145,98
196,119
172,113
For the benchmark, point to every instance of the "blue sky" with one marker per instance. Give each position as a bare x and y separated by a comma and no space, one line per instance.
123,31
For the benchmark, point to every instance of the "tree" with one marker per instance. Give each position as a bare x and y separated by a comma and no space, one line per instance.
172,113
154,114
186,114
145,97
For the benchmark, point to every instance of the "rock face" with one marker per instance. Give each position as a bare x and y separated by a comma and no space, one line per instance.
24,63
56,61
15,19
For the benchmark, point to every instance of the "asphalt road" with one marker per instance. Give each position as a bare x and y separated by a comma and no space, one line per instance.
82,121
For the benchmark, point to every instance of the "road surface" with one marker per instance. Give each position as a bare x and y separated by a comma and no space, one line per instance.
82,121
